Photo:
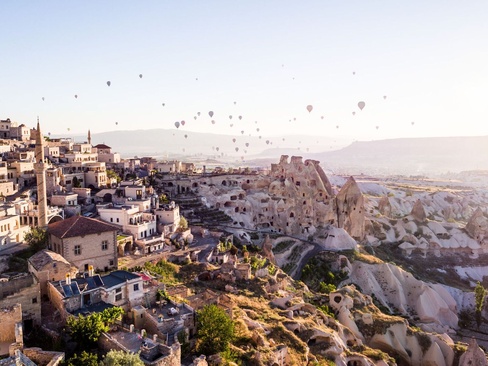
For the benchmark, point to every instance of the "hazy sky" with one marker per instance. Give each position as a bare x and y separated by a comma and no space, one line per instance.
272,58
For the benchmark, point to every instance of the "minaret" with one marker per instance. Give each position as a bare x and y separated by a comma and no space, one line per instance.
89,137
40,169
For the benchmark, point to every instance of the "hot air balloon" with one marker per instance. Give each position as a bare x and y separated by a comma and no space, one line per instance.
164,104
211,113
242,132
198,113
183,123
256,122
321,117
260,136
240,117
267,142
309,108
247,144
195,118
361,105
235,103
140,76
116,123
186,136
230,117
231,125
237,149
177,124
353,113
109,83
217,148
384,96
69,129
337,126
294,118
283,139
413,123
213,122
354,72
43,99
76,96
257,129
234,141
377,127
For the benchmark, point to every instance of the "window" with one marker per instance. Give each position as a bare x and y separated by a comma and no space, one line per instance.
118,290
118,297
77,249
34,300
105,245
111,262
136,287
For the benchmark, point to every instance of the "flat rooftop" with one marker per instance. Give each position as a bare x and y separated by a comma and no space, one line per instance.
166,312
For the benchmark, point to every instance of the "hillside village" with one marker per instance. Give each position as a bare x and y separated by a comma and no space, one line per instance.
313,269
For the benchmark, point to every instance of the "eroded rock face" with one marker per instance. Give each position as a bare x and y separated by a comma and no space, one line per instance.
477,226
350,209
474,355
403,293
418,211
391,334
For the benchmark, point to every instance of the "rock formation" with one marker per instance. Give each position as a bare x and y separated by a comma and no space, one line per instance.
474,355
350,209
418,211
477,226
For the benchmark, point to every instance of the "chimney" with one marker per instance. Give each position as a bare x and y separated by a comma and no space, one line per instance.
90,271
68,279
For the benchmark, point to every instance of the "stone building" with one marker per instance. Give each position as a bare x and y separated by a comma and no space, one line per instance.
84,242
23,289
47,265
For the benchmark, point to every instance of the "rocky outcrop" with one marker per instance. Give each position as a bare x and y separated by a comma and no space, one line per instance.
384,206
477,226
389,333
402,293
418,211
350,209
474,355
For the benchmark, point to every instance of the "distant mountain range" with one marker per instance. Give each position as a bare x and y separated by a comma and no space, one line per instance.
423,156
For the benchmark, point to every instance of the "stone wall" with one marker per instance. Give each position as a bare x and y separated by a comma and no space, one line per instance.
30,299
9,317
40,357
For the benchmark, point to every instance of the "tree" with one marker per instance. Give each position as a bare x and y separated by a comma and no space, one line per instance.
36,238
479,296
85,330
183,223
215,330
83,359
121,358
112,174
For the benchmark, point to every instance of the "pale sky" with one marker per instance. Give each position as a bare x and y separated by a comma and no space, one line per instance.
272,58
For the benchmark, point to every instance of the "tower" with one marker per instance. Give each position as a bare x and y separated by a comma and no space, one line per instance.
40,169
89,137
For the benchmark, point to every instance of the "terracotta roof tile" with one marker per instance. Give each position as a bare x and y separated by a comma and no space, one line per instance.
78,226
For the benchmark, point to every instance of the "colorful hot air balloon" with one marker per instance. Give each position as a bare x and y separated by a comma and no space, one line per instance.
309,108
361,105
183,123
240,117
177,124
211,113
